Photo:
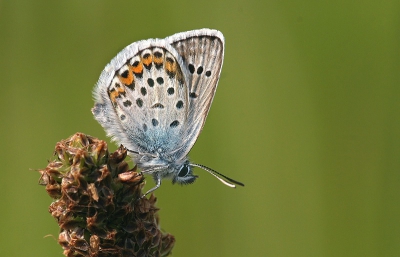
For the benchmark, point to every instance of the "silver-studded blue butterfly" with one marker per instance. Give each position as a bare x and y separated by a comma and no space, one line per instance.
154,97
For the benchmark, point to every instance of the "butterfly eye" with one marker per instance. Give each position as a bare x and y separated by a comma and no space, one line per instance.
184,171
184,176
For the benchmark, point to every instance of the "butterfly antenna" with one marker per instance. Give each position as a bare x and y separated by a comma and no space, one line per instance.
224,179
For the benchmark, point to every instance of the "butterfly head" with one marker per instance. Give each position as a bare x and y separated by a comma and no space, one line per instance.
183,175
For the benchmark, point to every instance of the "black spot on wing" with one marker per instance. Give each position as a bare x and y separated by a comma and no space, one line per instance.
139,102
150,81
154,122
191,68
174,124
127,103
179,104
160,80
158,106
170,91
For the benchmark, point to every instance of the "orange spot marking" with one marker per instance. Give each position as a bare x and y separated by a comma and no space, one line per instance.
113,95
128,80
120,90
137,69
147,61
158,60
171,67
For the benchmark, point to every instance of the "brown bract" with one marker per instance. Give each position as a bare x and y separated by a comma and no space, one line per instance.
98,204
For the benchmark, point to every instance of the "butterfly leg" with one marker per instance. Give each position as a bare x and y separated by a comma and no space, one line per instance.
154,188
131,151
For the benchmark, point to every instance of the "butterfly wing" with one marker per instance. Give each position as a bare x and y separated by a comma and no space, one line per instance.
202,53
154,96
142,98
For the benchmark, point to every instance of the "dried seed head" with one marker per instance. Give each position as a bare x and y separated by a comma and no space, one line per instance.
98,203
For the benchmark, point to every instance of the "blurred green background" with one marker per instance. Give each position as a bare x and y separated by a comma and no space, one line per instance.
306,115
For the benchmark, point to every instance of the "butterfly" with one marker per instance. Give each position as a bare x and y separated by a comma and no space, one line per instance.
154,98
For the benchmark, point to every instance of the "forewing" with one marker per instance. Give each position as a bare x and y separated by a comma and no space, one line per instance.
142,98
202,53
